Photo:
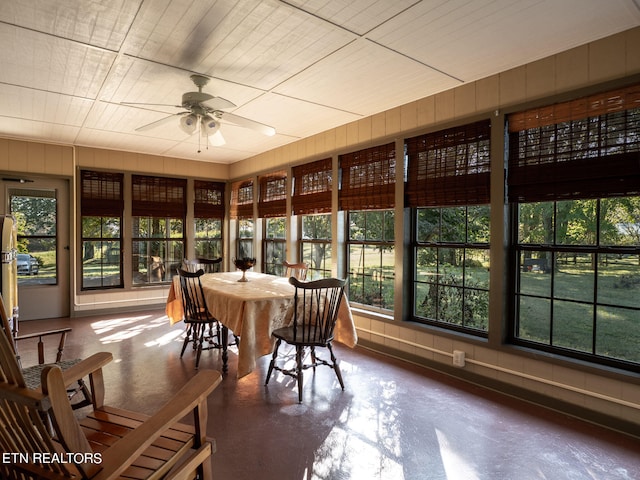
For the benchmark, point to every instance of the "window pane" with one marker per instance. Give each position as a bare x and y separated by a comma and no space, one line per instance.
428,225
534,319
620,221
245,228
454,224
574,277
535,223
618,333
478,218
573,325
101,264
534,277
276,228
476,268
576,222
619,280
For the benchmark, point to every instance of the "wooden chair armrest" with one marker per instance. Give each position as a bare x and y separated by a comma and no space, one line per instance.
62,332
25,396
193,395
85,367
43,333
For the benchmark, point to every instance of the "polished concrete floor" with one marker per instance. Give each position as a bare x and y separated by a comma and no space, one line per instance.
393,421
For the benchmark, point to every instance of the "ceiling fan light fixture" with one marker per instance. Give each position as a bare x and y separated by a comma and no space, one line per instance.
189,123
208,126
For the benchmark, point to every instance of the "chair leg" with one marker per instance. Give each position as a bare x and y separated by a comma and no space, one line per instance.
200,330
187,339
335,366
313,359
273,361
299,374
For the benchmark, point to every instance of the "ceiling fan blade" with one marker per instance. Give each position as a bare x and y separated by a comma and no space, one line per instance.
252,124
151,104
219,103
162,121
217,140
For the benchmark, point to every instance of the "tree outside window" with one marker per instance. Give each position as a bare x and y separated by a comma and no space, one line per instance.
316,245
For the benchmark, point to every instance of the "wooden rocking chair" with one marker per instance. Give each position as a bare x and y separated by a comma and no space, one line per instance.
108,443
78,391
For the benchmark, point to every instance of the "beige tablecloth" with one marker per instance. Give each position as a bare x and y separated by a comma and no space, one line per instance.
252,310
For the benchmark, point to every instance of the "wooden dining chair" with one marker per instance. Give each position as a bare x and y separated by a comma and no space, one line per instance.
315,312
297,270
78,391
201,325
107,443
208,265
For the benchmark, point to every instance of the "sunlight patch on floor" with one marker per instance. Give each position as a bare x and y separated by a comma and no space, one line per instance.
455,466
127,327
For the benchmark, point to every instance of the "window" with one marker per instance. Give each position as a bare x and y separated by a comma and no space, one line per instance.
101,206
208,211
272,207
574,185
35,212
451,284
242,211
274,245
311,199
245,238
316,245
159,209
367,193
448,190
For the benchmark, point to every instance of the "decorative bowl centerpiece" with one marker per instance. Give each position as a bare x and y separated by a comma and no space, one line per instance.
244,264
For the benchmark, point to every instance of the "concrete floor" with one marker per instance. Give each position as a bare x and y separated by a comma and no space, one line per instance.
393,420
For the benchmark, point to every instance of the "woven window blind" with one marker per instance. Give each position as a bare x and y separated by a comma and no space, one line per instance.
312,184
368,178
242,199
273,195
450,167
209,199
101,194
585,148
158,196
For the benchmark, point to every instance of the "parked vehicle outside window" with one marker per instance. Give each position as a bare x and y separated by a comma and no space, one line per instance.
27,264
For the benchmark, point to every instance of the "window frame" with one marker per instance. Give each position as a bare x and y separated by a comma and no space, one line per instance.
102,197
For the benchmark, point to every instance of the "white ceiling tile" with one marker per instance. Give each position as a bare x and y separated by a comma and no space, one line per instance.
364,79
52,64
358,16
102,24
310,118
472,40
256,43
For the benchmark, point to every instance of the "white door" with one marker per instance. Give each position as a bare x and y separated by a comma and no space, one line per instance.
41,209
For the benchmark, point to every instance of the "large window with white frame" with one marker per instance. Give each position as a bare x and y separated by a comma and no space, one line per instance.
101,208
157,230
242,212
208,217
272,208
315,245
448,185
575,197
367,194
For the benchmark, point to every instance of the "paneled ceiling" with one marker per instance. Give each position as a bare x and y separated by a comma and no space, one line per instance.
300,66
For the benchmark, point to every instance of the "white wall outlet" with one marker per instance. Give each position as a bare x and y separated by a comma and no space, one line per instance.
458,358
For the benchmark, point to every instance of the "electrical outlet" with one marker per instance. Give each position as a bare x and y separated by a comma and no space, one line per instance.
458,358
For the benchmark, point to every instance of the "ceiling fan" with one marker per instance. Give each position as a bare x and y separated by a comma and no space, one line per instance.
202,113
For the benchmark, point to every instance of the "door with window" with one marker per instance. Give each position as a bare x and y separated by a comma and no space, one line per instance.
40,207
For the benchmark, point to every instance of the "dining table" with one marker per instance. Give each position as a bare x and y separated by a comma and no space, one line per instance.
251,310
